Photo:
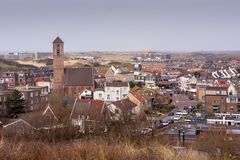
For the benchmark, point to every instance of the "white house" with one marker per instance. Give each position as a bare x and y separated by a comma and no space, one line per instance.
188,83
232,94
85,94
44,82
114,91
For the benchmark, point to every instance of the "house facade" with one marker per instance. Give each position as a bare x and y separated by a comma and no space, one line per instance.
114,91
88,115
119,74
140,101
44,82
35,97
3,98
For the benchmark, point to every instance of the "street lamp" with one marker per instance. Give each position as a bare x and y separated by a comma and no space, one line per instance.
181,132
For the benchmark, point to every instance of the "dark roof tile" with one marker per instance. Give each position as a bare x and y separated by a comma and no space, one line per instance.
58,40
78,77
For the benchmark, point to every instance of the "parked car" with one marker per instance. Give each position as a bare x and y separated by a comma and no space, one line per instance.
177,117
191,98
146,130
170,113
170,121
189,108
165,123
183,112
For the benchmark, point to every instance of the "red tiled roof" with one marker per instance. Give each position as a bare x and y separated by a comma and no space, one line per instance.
42,79
221,85
196,70
138,96
164,83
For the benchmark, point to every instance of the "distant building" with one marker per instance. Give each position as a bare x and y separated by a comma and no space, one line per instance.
26,56
119,74
137,67
12,56
11,78
188,84
43,55
20,78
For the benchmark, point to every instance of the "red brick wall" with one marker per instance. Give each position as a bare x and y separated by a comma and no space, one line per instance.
215,100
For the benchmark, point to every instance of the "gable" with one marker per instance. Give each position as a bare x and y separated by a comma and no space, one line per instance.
109,72
48,112
89,108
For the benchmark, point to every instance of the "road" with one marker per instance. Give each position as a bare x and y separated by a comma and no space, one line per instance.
180,101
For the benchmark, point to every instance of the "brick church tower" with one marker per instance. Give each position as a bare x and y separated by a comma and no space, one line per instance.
58,66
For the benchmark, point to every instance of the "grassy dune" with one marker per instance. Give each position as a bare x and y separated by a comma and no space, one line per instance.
90,150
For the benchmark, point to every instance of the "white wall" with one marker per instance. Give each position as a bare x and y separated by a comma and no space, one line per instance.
98,95
112,93
44,84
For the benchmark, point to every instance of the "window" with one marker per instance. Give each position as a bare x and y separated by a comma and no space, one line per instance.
31,94
231,109
118,98
100,95
238,107
216,109
58,51
117,92
108,96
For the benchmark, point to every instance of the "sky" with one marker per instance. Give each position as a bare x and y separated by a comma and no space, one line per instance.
120,25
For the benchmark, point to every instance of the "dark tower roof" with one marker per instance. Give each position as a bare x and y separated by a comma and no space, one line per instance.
58,40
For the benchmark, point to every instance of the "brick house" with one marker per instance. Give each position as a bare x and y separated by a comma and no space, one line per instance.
20,78
11,78
139,100
221,99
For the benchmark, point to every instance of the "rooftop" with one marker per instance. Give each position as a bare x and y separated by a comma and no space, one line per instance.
58,40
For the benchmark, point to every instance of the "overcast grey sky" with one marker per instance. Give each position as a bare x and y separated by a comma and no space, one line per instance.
120,25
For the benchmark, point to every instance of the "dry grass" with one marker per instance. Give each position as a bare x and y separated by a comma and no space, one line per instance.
93,149
31,62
